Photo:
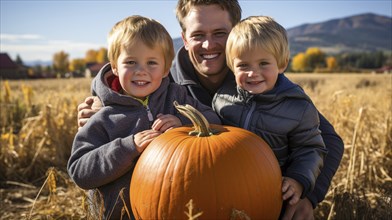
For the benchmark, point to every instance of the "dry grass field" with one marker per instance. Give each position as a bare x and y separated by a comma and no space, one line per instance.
38,123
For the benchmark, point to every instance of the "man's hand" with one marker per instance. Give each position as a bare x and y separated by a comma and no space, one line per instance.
303,210
88,108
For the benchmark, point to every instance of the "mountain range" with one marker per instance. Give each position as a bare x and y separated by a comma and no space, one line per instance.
358,33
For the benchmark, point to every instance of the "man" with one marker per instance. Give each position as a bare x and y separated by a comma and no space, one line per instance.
201,66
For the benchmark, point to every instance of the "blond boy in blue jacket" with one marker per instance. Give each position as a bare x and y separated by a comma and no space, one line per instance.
270,105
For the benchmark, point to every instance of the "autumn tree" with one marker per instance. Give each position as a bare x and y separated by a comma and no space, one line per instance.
77,65
312,59
331,62
102,56
299,63
91,56
61,62
315,58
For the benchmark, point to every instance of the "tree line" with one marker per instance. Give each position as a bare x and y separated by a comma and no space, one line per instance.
315,60
63,66
312,60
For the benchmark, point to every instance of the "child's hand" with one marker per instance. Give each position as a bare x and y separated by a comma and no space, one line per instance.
291,190
143,138
165,122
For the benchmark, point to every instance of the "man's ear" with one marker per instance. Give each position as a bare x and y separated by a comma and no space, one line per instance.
183,37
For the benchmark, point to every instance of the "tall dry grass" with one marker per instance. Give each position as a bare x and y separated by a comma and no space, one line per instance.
360,108
38,123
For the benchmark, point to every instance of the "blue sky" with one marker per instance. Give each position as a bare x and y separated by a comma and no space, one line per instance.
37,29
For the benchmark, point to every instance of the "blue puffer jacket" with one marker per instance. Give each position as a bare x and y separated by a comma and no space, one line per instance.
286,119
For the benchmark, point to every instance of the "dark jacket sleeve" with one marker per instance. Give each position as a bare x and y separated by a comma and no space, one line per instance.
335,147
307,150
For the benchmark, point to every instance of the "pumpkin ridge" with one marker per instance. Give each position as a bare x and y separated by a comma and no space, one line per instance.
172,164
213,197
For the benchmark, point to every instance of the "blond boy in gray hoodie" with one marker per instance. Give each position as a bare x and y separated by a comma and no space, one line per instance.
137,98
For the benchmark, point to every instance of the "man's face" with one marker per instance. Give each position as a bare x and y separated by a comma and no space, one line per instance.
207,28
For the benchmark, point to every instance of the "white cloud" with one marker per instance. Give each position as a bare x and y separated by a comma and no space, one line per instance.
35,47
19,37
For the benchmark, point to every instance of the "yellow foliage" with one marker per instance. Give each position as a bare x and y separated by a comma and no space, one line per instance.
299,63
77,65
98,56
91,56
313,51
331,63
102,56
309,61
61,62
315,58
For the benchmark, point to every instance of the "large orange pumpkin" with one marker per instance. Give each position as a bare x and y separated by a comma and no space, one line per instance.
228,172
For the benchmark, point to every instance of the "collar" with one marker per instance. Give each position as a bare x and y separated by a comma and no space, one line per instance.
144,102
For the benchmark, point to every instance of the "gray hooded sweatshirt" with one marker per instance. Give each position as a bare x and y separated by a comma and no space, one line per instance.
103,152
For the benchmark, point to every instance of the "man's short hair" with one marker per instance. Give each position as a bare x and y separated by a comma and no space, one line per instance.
184,6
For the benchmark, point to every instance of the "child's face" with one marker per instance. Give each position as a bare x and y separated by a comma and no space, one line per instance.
140,69
256,71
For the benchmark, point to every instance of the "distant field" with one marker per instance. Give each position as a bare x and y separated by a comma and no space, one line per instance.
38,123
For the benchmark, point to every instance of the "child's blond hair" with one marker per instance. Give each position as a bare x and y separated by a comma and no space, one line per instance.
138,28
258,32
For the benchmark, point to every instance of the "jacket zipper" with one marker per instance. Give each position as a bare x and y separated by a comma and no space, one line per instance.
149,114
249,116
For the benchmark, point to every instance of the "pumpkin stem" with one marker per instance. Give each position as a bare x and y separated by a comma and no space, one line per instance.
200,123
